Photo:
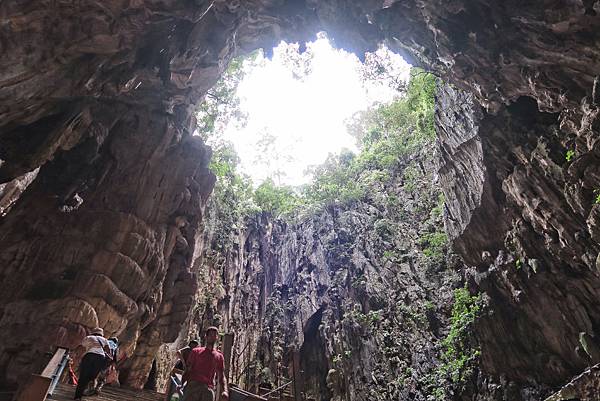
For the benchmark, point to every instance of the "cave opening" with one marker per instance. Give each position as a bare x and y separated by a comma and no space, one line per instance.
283,115
344,246
107,218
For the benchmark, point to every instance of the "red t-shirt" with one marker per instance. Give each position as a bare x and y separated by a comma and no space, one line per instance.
203,364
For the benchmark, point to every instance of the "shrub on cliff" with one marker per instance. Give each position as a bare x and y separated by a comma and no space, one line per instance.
279,200
459,352
386,135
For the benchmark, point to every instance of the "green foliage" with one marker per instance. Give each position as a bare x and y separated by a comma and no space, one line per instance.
359,282
386,135
459,355
438,210
232,195
332,181
232,198
597,197
235,199
434,244
221,102
390,133
412,313
569,155
365,320
519,264
410,175
429,306
390,255
439,394
280,201
420,102
381,67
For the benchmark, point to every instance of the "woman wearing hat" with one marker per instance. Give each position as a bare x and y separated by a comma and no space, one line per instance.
94,360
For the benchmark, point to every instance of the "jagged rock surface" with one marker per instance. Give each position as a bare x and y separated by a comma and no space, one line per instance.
520,219
99,95
119,259
583,387
354,289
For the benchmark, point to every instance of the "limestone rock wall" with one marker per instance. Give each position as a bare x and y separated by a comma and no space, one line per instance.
354,289
114,257
524,219
583,387
11,191
99,97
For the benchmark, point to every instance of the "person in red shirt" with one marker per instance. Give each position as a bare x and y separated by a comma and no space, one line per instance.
202,365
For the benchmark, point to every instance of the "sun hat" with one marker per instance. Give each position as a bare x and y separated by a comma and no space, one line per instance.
97,331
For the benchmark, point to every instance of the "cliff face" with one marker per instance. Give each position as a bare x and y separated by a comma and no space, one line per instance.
114,257
99,97
525,218
356,290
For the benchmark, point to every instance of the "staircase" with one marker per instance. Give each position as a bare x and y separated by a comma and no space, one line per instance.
65,392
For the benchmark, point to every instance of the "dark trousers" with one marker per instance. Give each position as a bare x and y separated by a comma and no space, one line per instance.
91,365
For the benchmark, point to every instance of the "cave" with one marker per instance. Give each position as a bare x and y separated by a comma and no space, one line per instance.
313,363
103,185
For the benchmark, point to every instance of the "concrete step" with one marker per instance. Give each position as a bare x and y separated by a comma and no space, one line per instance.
65,392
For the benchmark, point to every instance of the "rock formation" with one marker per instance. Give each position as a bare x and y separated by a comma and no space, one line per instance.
537,261
583,387
100,97
355,290
116,258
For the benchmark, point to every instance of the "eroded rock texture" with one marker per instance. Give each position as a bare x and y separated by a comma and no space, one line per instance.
99,96
113,257
583,387
532,209
524,218
355,289
105,233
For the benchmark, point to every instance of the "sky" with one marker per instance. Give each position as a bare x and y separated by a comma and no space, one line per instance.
302,119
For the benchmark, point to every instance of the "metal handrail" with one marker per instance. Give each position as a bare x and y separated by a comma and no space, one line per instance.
58,371
278,388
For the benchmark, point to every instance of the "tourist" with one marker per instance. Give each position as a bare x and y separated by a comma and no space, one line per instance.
184,353
94,360
203,364
110,374
175,385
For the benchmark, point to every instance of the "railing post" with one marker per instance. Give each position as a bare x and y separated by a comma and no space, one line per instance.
227,348
297,377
